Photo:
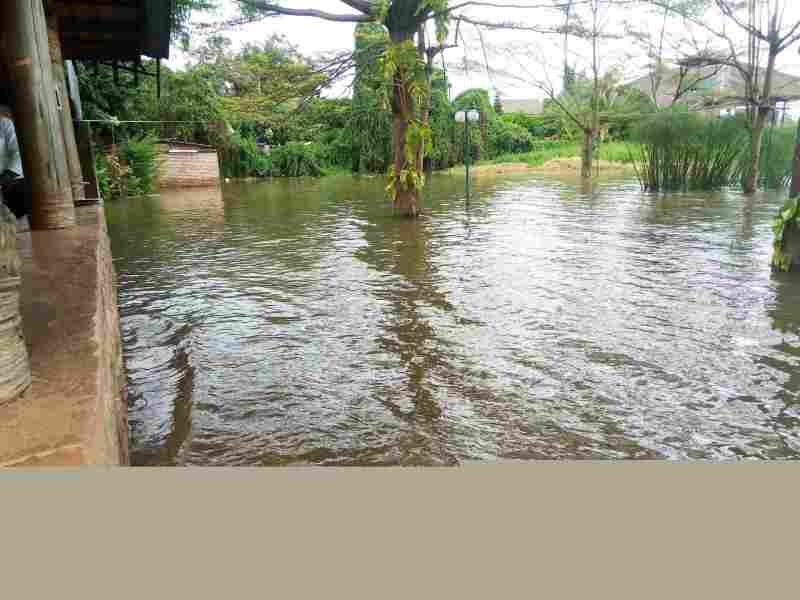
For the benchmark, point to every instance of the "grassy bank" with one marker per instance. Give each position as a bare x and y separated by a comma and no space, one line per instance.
554,156
611,151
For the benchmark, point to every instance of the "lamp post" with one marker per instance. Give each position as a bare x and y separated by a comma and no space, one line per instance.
467,117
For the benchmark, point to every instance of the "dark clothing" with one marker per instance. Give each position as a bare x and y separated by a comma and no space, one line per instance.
16,196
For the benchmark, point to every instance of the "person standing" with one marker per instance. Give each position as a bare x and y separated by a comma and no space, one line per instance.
13,186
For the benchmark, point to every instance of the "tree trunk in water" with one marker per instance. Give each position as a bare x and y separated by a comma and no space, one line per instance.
406,199
406,195
587,154
751,177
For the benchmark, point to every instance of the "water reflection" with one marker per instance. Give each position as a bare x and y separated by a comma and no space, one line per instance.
298,322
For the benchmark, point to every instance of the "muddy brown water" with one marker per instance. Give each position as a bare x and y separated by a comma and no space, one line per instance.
299,322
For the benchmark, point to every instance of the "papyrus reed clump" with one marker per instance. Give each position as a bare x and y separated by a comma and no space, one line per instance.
686,151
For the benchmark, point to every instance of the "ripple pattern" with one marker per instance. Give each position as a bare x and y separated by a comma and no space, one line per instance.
299,322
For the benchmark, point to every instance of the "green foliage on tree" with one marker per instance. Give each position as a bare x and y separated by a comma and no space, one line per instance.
371,118
442,154
538,126
182,11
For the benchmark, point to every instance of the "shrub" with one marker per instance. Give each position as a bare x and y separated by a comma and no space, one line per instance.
103,178
240,157
539,126
786,220
295,159
133,171
337,149
509,138
141,156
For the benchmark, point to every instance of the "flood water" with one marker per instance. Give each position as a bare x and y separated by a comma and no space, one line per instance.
299,322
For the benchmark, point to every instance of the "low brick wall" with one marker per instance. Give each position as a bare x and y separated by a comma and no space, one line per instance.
189,169
75,412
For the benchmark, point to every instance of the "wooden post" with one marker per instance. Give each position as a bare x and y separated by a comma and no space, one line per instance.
25,50
88,166
83,135
15,372
65,112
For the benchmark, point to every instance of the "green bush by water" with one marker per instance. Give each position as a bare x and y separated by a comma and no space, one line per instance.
141,155
134,171
295,159
509,138
787,218
539,126
240,157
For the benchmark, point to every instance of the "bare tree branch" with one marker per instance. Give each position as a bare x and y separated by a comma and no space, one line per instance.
304,12
362,6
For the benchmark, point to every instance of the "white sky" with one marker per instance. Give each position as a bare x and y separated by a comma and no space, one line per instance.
542,57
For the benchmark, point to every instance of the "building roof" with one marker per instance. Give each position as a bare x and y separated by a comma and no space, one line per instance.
726,88
532,106
120,30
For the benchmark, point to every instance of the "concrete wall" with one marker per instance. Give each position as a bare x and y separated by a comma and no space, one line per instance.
189,169
75,413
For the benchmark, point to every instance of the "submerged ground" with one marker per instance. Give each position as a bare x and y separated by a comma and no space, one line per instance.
299,322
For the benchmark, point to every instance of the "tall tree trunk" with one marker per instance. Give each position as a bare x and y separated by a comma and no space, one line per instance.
406,195
425,114
587,153
763,111
751,177
590,133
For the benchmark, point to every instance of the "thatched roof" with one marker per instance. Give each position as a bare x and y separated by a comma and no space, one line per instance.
120,30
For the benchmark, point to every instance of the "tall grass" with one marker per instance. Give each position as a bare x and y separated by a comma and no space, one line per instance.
683,151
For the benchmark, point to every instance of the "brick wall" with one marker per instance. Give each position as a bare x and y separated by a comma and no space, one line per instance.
75,412
110,444
189,169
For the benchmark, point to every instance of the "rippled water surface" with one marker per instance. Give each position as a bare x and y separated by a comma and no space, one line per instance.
299,322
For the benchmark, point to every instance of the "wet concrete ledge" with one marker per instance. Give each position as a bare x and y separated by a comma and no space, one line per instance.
75,412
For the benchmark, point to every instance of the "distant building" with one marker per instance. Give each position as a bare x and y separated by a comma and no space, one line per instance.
533,106
721,92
